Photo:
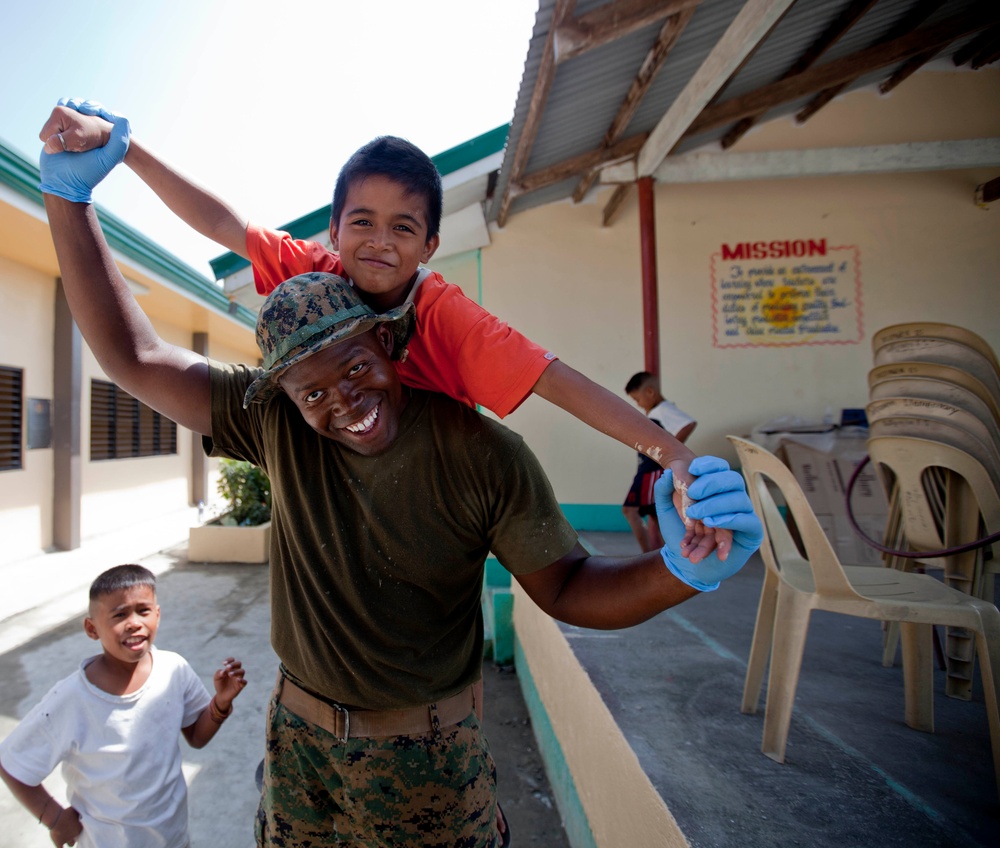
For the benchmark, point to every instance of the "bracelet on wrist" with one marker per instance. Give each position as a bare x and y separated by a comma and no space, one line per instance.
216,714
41,815
58,816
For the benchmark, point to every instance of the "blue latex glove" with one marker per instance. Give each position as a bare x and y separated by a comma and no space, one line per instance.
74,175
721,501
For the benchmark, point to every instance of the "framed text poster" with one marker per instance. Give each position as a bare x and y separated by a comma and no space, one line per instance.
785,293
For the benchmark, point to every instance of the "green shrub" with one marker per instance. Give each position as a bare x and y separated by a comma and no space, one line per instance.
247,491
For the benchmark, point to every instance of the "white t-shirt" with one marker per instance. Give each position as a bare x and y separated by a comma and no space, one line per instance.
669,417
120,754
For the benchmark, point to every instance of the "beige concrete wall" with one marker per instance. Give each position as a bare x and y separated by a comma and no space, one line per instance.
25,494
118,492
621,805
926,253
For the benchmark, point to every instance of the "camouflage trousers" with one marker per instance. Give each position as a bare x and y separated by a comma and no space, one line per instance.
432,790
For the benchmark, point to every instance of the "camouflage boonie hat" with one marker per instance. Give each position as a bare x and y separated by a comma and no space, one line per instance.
308,313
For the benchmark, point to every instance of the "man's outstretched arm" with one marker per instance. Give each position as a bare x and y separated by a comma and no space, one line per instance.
172,380
613,592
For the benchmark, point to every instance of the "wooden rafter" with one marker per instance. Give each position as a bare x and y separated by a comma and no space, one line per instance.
910,22
750,26
618,197
833,33
669,33
906,70
820,77
984,44
543,82
612,21
988,192
624,149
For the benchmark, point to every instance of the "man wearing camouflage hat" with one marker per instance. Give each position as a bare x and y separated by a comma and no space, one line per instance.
386,503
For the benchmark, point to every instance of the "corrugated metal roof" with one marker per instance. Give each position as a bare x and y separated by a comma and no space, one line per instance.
586,90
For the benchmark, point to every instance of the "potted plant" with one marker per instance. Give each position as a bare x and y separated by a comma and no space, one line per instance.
243,532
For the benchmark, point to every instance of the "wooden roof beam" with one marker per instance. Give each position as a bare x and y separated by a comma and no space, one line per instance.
820,77
539,95
906,70
670,32
909,23
984,43
618,197
833,33
612,21
577,165
750,26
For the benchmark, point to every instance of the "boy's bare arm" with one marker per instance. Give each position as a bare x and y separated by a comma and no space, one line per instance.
172,380
62,823
195,206
582,398
70,130
229,682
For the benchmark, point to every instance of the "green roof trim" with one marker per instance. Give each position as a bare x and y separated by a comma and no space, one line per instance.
20,174
451,160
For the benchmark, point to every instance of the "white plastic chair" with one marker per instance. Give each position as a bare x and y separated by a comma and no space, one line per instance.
944,352
796,584
935,330
932,371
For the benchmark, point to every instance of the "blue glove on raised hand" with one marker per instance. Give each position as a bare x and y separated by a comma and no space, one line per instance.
721,501
74,175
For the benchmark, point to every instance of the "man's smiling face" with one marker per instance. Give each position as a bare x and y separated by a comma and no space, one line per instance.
350,392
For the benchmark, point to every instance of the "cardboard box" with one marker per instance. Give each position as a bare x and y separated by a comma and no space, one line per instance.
823,467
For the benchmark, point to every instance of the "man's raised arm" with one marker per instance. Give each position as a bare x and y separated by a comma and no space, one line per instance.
172,380
81,125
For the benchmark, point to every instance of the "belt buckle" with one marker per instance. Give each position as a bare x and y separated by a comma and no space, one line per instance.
346,713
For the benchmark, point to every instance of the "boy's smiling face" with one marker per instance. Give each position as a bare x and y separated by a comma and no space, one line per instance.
382,239
125,623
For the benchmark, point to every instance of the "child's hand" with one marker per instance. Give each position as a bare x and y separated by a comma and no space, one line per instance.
722,501
699,541
229,682
68,130
73,175
66,829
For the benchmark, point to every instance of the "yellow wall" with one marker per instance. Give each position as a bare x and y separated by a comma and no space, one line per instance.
926,253
114,493
27,316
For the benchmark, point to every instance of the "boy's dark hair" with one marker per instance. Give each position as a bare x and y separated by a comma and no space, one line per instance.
637,381
403,163
121,577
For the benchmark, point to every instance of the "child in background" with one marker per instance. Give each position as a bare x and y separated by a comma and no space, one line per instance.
639,508
384,225
113,725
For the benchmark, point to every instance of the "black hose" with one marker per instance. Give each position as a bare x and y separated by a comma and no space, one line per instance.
958,549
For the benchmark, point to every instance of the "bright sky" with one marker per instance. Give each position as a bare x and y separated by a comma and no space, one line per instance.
261,102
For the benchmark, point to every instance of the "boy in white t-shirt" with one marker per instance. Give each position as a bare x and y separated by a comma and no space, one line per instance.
113,725
639,509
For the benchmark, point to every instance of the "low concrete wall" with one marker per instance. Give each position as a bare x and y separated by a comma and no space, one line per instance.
605,798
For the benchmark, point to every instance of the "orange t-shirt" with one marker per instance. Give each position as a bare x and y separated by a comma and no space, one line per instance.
457,348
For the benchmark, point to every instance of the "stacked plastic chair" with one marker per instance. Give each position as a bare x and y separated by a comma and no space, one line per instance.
934,418
807,575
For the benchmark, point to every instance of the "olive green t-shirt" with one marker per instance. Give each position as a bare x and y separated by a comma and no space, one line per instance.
377,562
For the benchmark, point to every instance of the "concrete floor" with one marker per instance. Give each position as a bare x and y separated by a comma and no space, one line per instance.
855,774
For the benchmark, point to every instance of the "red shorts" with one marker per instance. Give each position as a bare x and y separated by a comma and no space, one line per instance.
641,493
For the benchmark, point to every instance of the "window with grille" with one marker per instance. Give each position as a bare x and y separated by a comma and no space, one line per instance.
122,426
11,418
